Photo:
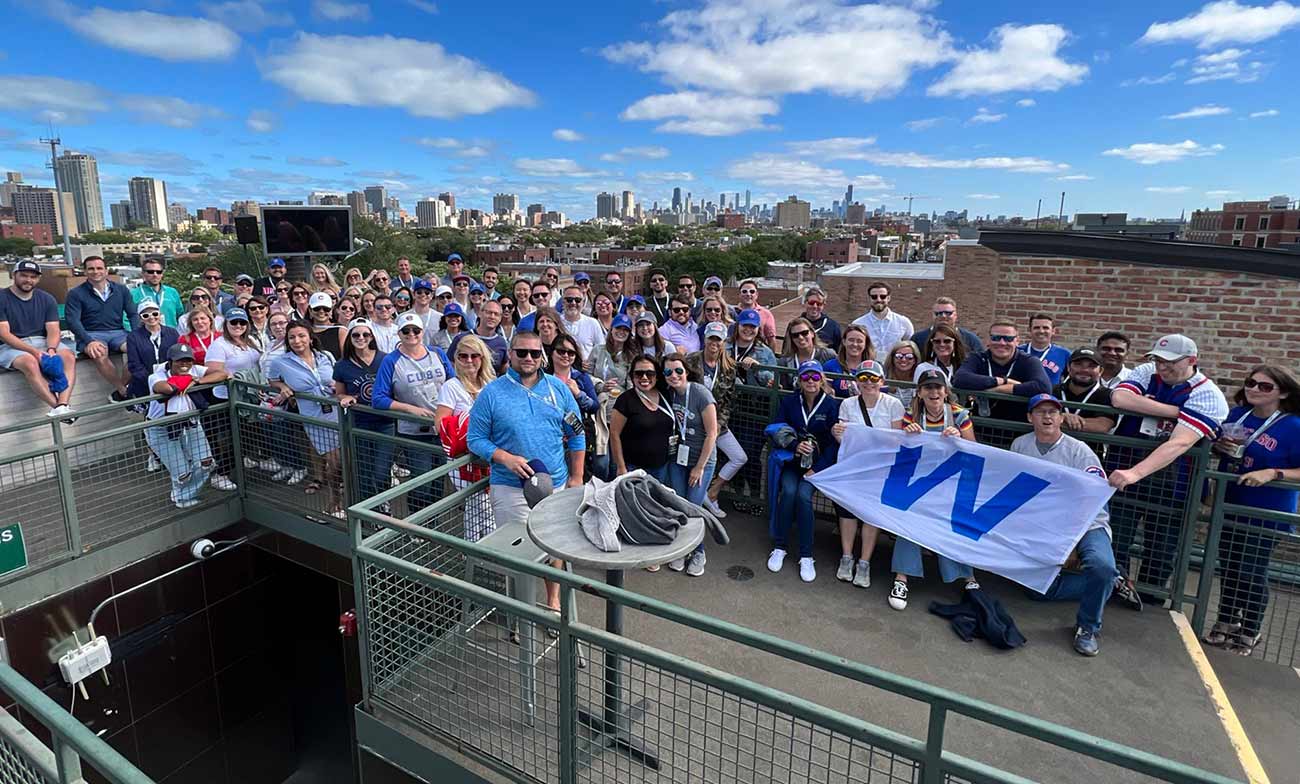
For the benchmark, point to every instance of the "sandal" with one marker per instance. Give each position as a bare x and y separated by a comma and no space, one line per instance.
311,488
652,568
1221,633
1244,644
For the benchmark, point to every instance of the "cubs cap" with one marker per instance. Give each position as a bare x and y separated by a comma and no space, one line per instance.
320,300
409,319
276,262
1173,347
715,329
749,317
810,366
621,320
454,257
453,309
581,276
421,284
1038,400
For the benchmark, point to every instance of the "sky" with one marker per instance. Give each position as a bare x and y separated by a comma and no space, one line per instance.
1147,108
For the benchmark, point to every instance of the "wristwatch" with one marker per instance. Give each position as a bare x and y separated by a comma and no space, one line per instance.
1277,475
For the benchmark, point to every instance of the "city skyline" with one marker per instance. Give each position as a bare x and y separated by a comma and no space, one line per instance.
1155,111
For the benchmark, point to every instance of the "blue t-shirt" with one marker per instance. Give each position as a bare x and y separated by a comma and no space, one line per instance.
842,387
496,344
1277,447
1054,359
360,383
27,318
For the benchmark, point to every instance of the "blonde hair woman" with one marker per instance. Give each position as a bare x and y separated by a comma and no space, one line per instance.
323,280
473,364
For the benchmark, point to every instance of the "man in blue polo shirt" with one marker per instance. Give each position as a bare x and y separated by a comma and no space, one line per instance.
1042,328
95,311
29,338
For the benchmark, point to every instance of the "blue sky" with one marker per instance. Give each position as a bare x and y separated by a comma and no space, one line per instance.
1148,108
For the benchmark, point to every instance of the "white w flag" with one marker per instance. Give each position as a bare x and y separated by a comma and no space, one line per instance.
989,508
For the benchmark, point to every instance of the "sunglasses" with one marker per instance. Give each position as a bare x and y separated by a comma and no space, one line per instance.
256,308
199,296
362,335
814,303
212,277
869,378
584,283
879,297
564,352
462,285
242,283
528,353
156,314
153,272
814,376
1002,338
411,330
658,280
542,294
444,296
403,299
573,300
643,374
302,294
942,341
321,309
903,357
713,288
283,290
939,313
1262,386
379,306
801,333
468,357
677,371
614,281
681,309
239,323
342,308
507,307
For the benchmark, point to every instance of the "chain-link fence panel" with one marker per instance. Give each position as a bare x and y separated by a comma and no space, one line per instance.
292,461
32,496
19,750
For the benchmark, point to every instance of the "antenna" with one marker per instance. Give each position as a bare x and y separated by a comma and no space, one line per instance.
59,212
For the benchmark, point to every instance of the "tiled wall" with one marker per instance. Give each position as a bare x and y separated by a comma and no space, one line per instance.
206,683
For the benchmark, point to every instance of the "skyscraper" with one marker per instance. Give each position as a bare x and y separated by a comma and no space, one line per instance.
357,201
376,198
606,205
505,203
42,205
431,213
149,202
177,214
121,214
722,200
848,199
79,175
449,199
13,182
735,201
629,205
677,199
746,200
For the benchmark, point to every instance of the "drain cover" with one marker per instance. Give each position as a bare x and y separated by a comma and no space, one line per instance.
740,573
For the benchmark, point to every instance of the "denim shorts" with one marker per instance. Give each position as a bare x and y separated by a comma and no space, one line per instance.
115,339
8,353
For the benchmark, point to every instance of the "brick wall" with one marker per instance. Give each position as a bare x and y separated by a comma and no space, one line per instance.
1237,319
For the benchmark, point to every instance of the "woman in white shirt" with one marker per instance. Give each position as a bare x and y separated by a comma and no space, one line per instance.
885,412
473,365
234,351
181,446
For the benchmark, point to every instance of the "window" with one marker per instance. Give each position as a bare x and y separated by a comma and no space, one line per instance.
1240,223
1259,242
1263,223
1236,242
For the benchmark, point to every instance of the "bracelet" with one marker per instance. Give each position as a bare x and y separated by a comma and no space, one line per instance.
1278,476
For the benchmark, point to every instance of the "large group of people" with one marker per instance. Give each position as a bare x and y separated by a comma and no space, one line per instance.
588,380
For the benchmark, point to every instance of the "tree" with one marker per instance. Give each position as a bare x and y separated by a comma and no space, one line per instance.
16,246
107,238
659,234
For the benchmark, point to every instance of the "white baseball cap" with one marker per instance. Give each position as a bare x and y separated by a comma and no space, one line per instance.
1172,348
715,329
409,319
438,292
320,300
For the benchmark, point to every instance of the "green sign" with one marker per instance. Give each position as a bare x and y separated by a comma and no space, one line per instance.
13,550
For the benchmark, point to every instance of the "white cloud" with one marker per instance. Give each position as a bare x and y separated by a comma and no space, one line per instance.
423,5
916,160
1167,189
1148,153
151,34
1229,64
1206,110
566,135
261,121
1142,81
1265,113
247,16
433,83
1023,58
164,110
984,116
703,114
777,171
777,47
1226,22
326,161
456,147
339,11
1025,103
1220,193
552,167
151,161
52,98
983,196
666,176
922,124
1075,178
838,147
650,151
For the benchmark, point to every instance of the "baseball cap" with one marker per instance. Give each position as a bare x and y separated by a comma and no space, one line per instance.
713,280
276,262
647,316
179,351
477,288
1083,352
1173,347
870,367
147,305
242,278
931,375
421,284
27,266
359,322
621,320
637,298
320,300
749,317
453,309
454,257
539,485
715,329
459,276
409,319
236,314
438,292
810,366
581,276
1037,400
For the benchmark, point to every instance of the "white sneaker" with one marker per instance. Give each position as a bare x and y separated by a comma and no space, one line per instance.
58,411
187,504
677,564
844,572
776,560
401,471
250,463
713,507
695,566
269,465
807,570
898,595
153,466
221,482
295,477
862,577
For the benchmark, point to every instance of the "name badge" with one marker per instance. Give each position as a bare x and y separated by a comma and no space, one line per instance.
683,455
1156,427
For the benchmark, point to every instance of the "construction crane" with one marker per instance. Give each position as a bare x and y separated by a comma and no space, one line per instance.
910,197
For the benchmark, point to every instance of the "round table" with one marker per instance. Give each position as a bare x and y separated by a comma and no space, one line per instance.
554,526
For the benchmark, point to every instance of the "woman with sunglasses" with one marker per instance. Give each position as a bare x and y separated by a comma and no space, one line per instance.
354,378
345,310
934,410
713,309
402,299
900,365
323,280
641,424
646,337
602,309
691,462
450,324
944,349
873,408
307,370
299,302
285,438
353,278
474,371
855,349
566,356
146,348
409,381
509,317
802,345
282,300
236,351
259,316
328,335
810,413
199,298
716,371
1261,444
200,332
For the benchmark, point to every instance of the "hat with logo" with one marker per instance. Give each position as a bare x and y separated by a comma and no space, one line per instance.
27,266
715,329
1038,400
236,314
409,319
360,321
453,309
713,280
621,320
1083,352
539,485
454,257
647,316
276,262
810,366
931,375
320,300
477,288
869,368
1173,347
421,284
179,351
749,317
242,278
438,292
637,298
458,277
581,276
147,305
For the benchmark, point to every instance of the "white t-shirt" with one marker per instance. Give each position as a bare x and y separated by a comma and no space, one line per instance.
386,336
233,359
176,404
587,331
453,396
884,414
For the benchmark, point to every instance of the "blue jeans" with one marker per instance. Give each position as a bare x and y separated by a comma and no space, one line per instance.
680,479
183,456
907,560
374,460
1092,588
794,504
660,473
422,461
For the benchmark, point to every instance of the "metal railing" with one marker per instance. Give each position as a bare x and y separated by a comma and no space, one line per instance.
25,759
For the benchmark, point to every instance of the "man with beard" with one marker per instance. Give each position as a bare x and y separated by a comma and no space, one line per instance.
1082,384
827,329
29,331
884,325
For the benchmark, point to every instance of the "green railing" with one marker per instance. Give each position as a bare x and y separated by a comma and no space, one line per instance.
26,759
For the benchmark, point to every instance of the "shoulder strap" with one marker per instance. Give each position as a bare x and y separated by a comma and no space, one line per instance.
866,417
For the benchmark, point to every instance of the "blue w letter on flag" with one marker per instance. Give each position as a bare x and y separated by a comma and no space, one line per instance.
900,492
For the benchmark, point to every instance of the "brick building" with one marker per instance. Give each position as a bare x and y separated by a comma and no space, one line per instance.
36,232
832,252
731,220
624,255
1247,224
484,257
1242,306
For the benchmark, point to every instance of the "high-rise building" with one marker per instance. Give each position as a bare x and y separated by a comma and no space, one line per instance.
855,214
848,199
43,206
13,182
376,198
449,199
722,200
677,199
535,213
793,214
149,202
326,199
177,214
746,200
606,205
244,208
121,211
432,213
505,203
79,175
357,201
629,205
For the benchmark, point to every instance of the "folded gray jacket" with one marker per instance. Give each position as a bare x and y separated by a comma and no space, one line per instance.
647,514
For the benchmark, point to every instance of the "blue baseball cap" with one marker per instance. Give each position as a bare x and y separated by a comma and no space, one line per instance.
454,257
637,298
276,262
810,366
421,284
236,314
713,280
581,276
749,317
477,288
453,309
621,320
1037,400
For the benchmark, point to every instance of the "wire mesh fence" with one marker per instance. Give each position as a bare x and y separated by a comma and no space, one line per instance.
18,755
32,495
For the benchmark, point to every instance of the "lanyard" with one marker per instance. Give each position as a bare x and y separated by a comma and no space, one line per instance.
710,376
1272,418
735,351
807,415
550,391
1086,397
686,408
1029,349
155,297
659,407
156,340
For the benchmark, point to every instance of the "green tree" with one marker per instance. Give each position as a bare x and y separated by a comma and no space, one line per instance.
659,234
107,238
16,246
